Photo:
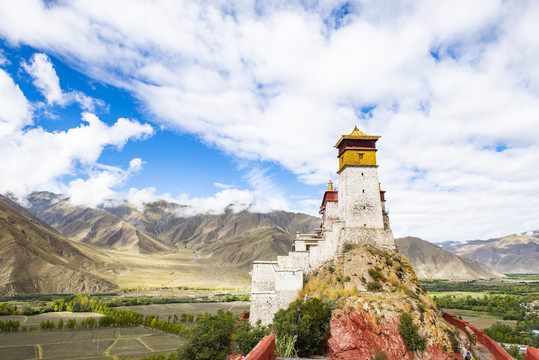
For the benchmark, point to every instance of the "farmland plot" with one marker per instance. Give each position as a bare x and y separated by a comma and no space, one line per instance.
86,343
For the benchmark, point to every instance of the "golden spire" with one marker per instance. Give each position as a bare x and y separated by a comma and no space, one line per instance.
330,186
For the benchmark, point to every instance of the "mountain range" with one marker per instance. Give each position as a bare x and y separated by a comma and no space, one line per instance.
230,239
516,253
51,239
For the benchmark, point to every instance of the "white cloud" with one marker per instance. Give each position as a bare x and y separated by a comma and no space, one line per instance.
446,83
234,199
33,158
223,186
3,59
100,184
47,82
45,78
15,110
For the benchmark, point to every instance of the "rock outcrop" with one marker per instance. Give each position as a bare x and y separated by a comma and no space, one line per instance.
360,335
372,288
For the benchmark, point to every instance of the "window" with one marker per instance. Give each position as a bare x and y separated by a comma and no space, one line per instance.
360,155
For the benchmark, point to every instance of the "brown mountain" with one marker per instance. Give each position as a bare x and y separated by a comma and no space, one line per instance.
230,239
93,226
35,259
517,253
431,261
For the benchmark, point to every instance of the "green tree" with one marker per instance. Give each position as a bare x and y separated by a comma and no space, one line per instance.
246,336
209,338
308,320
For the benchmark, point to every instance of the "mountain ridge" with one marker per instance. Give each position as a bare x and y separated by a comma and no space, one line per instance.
431,261
515,253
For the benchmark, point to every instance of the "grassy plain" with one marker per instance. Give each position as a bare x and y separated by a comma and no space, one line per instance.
86,343
181,268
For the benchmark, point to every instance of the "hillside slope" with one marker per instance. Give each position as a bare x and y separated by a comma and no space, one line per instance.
431,261
36,260
517,253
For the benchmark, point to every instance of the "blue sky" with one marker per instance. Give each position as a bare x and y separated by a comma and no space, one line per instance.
220,102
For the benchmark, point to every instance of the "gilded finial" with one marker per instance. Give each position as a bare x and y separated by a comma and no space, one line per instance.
330,186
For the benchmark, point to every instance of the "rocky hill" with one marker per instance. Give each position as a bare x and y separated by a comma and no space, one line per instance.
35,259
431,261
517,253
372,288
93,226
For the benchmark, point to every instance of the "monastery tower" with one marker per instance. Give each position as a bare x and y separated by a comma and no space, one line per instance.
354,213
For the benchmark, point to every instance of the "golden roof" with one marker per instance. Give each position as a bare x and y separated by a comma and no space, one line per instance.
357,135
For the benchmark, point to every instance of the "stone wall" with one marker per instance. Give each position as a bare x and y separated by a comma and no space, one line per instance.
263,276
378,237
263,307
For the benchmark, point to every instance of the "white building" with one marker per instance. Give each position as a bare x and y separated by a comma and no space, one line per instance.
355,213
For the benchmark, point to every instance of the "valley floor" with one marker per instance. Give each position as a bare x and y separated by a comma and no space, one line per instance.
171,270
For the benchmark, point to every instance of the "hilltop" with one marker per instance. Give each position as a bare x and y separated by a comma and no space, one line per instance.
372,288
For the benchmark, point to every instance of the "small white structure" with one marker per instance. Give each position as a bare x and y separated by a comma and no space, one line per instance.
355,213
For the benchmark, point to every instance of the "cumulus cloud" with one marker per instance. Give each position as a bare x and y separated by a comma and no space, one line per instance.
15,110
100,183
34,158
452,86
47,82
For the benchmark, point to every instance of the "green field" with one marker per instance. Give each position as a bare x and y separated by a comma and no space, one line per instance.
86,343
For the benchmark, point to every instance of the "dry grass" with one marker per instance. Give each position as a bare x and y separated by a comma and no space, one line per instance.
180,268
394,280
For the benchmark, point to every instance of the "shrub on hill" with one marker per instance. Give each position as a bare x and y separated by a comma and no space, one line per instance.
309,320
409,333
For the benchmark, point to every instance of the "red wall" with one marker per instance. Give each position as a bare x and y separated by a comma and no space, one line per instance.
265,350
532,353
482,338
